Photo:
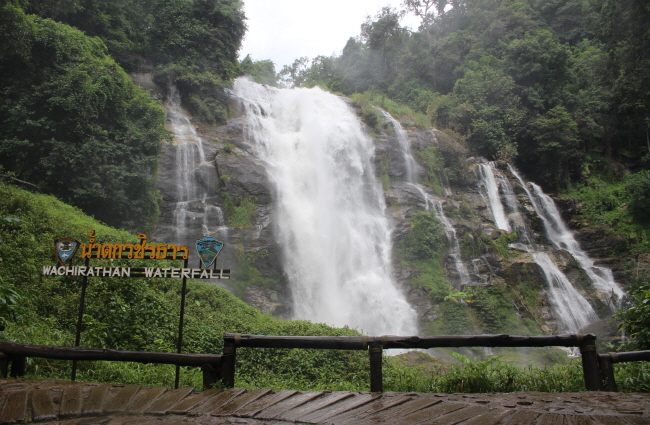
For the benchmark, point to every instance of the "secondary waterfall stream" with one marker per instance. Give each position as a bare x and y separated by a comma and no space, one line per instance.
570,306
411,177
193,204
329,207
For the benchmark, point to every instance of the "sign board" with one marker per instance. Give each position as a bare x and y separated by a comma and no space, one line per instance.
207,248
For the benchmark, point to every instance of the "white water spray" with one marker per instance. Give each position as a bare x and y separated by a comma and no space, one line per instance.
329,208
411,171
492,189
571,308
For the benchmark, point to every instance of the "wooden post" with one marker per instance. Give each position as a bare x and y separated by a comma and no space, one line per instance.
211,374
590,362
179,345
376,378
608,381
82,301
4,364
18,366
228,362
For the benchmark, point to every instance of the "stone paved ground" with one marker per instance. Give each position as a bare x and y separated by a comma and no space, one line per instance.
68,403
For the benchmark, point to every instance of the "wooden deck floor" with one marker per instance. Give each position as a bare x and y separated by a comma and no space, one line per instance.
69,403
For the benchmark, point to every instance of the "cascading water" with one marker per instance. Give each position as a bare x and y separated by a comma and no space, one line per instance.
194,212
562,238
411,171
491,187
329,208
571,309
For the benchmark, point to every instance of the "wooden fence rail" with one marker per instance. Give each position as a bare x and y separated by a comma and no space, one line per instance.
597,369
375,346
605,361
17,354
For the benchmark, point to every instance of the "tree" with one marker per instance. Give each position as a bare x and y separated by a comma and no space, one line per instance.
487,109
74,123
540,66
263,71
196,43
556,137
423,10
384,40
625,30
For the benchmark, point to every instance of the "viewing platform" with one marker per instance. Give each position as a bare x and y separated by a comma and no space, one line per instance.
74,403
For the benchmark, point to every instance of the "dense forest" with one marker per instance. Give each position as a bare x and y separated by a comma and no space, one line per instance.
558,87
74,125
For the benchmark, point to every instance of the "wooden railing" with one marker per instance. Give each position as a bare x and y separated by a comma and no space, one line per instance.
597,369
18,353
606,361
375,346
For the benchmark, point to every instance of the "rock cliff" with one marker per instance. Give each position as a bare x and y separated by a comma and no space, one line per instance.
491,283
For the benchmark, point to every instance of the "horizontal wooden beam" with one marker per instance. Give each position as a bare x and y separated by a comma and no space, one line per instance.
76,353
389,341
565,340
317,342
632,356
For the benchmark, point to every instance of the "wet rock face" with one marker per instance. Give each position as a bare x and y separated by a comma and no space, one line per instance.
256,259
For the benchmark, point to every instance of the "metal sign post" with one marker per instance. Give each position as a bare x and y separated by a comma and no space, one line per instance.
179,346
82,301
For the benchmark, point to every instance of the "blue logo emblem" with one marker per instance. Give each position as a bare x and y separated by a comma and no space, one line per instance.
208,249
65,249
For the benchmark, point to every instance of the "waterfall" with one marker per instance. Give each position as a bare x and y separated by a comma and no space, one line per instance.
570,308
411,168
194,211
329,208
492,188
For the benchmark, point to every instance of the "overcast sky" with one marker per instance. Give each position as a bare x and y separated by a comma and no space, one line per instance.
284,30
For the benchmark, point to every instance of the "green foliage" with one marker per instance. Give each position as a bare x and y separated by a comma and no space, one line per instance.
202,92
246,274
367,112
262,72
432,277
12,302
433,165
368,101
489,375
74,124
638,192
426,237
607,201
494,308
238,211
556,134
193,42
636,311
500,244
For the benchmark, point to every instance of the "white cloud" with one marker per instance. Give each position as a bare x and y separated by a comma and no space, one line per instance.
284,30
